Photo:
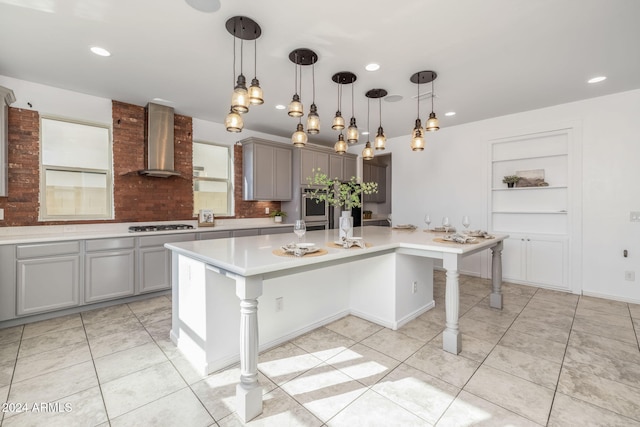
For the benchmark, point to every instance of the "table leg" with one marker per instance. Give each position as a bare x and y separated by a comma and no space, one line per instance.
495,299
451,338
248,392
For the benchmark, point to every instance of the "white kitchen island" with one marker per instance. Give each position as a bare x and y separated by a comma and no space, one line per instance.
389,283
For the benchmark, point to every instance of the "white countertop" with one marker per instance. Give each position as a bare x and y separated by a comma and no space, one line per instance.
248,256
55,233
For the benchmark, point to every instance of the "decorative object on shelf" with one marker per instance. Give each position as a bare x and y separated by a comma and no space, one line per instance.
342,78
206,218
531,178
510,180
367,214
243,28
417,135
277,215
337,193
380,140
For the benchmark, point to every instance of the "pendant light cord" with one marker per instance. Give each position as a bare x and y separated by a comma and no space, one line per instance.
418,97
352,84
241,54
313,81
380,105
255,57
368,109
233,75
432,94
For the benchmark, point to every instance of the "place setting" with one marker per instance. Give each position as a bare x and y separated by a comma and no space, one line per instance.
299,248
346,239
464,237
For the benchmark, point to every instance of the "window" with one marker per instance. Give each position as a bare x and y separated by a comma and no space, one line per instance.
212,187
75,171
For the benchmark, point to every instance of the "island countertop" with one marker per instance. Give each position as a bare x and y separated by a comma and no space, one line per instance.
248,256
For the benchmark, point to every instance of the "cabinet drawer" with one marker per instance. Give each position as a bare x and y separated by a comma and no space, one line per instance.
166,238
47,249
276,230
109,244
247,232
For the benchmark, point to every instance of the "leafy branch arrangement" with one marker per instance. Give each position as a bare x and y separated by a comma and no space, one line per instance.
337,193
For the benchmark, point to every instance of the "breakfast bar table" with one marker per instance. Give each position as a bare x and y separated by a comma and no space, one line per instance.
389,282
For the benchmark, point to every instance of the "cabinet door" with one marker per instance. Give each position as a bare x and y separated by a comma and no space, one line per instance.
46,284
381,179
264,172
154,268
109,275
322,161
366,177
336,167
283,175
210,235
513,255
350,168
246,232
276,230
547,261
307,164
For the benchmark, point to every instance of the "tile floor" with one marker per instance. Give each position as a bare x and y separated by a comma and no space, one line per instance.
548,358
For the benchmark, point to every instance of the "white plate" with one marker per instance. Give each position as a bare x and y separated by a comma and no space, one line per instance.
306,245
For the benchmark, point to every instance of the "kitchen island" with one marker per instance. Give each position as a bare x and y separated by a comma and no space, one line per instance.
389,282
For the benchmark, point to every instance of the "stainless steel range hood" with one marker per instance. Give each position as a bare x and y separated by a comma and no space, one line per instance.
6,98
159,160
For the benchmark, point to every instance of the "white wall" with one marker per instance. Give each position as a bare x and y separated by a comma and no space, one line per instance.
451,178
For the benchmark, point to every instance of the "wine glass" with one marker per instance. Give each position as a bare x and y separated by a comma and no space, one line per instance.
300,228
345,226
427,220
446,224
466,223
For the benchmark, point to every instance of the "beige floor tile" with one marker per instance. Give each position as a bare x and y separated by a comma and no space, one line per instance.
557,296
525,365
323,343
363,364
511,303
149,305
52,360
114,313
287,361
584,314
567,411
158,315
109,327
81,409
371,409
607,346
550,306
472,347
217,392
109,344
9,351
56,324
435,316
178,409
481,330
634,309
522,290
139,388
324,391
608,394
418,392
470,410
541,330
525,398
119,364
52,341
393,344
603,366
602,325
492,316
448,367
4,393
279,409
354,327
6,372
557,320
540,347
421,330
55,385
12,334
602,305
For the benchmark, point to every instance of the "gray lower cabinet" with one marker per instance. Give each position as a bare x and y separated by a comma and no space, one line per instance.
246,232
276,230
48,277
210,235
109,269
154,261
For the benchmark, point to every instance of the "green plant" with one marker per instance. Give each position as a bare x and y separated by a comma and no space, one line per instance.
337,193
277,212
367,212
511,179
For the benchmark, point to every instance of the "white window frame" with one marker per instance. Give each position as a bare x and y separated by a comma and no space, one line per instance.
43,214
228,180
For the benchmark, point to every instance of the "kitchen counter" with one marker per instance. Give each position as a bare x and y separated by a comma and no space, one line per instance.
390,282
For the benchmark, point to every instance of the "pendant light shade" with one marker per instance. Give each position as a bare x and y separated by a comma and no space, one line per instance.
240,97
233,122
341,145
255,93
295,107
432,123
352,131
367,153
417,139
299,138
338,121
380,140
313,121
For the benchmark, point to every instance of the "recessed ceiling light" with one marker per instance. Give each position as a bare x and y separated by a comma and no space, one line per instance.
100,51
393,98
450,113
372,67
206,6
365,133
280,107
597,79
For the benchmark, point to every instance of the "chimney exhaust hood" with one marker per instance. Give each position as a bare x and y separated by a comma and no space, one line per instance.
6,98
159,161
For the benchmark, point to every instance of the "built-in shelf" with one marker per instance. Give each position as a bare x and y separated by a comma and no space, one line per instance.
511,159
529,212
548,187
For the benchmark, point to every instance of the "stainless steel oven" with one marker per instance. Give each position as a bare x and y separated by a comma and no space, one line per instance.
313,210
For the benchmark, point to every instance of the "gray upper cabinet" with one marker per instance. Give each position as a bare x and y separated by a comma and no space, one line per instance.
350,167
342,166
109,269
310,160
267,170
375,173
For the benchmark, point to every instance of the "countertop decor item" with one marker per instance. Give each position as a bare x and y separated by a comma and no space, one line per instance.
338,193
277,215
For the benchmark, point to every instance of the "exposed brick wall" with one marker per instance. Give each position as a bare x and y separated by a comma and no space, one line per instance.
246,209
144,198
21,205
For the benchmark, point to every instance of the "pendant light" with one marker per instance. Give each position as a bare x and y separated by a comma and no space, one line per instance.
313,119
367,153
380,140
300,57
338,120
295,106
417,135
256,96
432,122
342,78
240,97
299,138
352,130
341,146
233,122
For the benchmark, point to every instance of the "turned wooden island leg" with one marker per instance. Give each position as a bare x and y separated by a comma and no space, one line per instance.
249,391
451,338
495,299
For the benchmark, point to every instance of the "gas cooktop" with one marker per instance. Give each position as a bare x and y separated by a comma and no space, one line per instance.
164,227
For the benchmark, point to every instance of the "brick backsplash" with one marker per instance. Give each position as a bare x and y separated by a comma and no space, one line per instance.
136,198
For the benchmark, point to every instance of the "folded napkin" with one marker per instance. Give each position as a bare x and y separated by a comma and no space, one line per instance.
480,233
348,243
459,238
292,248
405,227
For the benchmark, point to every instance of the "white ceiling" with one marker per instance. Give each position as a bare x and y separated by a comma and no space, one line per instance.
493,57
